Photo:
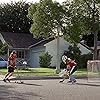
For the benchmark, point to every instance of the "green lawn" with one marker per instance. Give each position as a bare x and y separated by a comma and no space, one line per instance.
43,72
81,73
32,71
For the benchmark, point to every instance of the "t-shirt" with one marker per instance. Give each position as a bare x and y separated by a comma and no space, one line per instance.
12,60
70,64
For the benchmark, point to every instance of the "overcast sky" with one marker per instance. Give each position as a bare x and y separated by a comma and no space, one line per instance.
7,1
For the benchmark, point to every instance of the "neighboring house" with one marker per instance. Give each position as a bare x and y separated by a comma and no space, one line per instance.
98,50
51,48
29,48
19,42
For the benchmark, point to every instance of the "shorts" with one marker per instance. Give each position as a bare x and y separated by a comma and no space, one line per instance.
11,69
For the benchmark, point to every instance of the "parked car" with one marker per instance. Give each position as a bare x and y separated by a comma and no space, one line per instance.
3,62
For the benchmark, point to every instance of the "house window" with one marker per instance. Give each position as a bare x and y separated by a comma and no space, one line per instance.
20,54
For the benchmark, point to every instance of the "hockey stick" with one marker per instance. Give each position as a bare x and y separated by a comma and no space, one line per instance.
19,77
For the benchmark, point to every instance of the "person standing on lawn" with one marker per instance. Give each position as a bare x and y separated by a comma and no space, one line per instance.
11,65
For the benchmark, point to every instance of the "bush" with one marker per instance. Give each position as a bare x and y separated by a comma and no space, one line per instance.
45,59
84,58
62,65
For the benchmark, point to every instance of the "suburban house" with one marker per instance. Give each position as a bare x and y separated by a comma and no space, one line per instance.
29,48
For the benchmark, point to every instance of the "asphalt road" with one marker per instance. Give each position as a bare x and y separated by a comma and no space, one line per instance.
49,89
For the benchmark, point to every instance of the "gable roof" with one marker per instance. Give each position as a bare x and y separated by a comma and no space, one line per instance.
42,42
19,40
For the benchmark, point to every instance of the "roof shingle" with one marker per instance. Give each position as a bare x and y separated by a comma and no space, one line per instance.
19,40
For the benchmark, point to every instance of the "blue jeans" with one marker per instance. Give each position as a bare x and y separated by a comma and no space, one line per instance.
72,78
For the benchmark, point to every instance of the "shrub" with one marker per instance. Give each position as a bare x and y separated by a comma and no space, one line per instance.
84,58
45,59
62,65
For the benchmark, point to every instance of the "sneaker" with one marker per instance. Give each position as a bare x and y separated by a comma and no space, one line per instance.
69,81
73,81
61,81
4,80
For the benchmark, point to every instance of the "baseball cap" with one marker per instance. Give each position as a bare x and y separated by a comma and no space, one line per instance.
14,51
68,59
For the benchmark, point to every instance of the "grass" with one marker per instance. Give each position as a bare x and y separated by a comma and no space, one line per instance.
81,73
32,71
43,72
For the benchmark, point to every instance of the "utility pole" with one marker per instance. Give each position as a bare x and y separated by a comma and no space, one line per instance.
58,53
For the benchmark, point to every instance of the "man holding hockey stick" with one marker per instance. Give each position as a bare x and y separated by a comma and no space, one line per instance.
11,65
70,69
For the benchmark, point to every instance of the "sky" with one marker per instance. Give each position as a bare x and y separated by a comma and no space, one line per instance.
7,1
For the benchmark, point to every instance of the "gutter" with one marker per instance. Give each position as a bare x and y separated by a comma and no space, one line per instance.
20,48
39,42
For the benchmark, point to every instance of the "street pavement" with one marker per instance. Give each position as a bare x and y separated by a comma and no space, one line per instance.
49,89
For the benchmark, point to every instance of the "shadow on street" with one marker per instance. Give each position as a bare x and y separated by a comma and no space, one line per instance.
6,93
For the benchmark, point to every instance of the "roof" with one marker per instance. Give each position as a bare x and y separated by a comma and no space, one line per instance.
19,40
23,40
42,42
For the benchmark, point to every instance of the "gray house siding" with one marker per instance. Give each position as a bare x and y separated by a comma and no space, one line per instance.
51,48
35,52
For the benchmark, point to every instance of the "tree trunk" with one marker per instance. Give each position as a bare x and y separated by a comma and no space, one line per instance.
95,46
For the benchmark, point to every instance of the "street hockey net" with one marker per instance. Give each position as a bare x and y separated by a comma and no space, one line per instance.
93,69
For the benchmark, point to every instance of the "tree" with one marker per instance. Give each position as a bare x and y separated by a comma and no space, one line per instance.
45,60
47,18
13,17
84,19
3,49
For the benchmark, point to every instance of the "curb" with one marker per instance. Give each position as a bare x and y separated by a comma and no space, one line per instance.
38,77
41,77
